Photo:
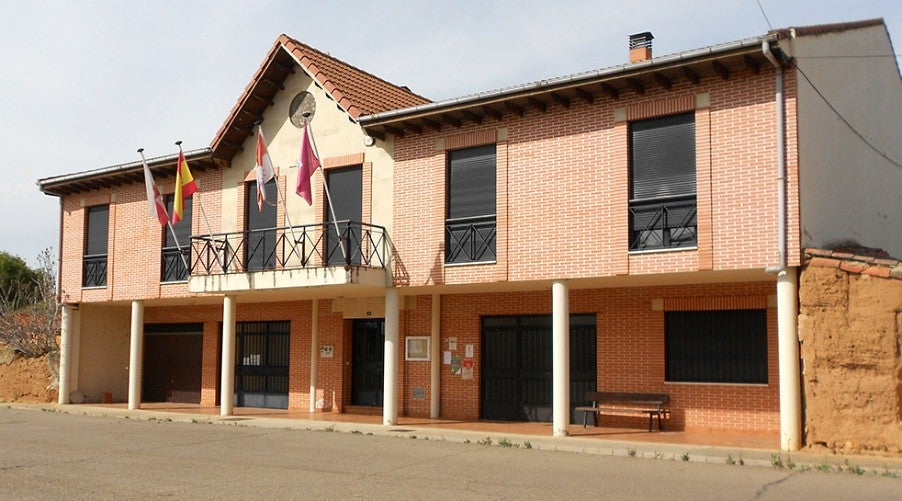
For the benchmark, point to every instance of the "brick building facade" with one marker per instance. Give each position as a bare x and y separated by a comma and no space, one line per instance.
636,228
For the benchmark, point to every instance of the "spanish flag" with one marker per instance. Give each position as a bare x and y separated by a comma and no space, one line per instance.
184,187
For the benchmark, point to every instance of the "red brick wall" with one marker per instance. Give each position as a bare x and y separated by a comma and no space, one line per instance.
563,186
630,354
135,241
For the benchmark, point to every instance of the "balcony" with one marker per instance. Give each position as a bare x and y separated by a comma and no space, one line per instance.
345,253
470,239
663,223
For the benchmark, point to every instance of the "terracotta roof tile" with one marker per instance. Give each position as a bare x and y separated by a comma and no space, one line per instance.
823,29
358,92
863,260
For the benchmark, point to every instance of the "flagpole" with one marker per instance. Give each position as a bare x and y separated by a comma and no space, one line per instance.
168,222
341,245
280,195
204,212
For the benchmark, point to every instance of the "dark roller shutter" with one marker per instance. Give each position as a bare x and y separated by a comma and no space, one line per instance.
662,154
346,189
471,182
261,227
183,227
98,230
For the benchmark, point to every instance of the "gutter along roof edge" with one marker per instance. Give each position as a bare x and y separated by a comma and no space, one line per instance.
541,85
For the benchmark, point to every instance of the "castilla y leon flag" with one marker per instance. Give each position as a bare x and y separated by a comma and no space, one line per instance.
154,200
307,165
265,170
184,187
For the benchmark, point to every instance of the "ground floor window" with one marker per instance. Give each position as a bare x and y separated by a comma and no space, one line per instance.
727,346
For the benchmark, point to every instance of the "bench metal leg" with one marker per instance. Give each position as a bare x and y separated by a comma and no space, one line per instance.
650,416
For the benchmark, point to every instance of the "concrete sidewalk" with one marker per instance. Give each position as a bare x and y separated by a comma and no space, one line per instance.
494,434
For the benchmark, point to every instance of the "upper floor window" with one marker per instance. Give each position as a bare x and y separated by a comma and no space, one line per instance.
662,202
346,189
470,224
260,238
725,346
173,267
97,230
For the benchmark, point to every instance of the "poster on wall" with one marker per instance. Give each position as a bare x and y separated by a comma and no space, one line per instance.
466,367
455,364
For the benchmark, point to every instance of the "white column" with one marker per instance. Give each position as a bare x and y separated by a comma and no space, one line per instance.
65,353
227,379
435,368
136,356
392,327
74,348
790,367
560,348
314,351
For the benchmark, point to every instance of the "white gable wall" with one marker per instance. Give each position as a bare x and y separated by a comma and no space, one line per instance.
849,193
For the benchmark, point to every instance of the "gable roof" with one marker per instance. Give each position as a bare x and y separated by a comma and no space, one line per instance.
357,92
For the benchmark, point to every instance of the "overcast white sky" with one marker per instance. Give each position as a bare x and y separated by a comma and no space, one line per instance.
83,84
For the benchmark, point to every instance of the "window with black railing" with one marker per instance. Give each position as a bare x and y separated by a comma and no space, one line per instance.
471,221
662,204
176,245
97,229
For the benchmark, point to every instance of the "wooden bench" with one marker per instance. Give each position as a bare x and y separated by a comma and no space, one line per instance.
603,402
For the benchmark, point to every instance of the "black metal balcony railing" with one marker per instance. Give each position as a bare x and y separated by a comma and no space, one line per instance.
663,223
173,266
295,247
470,239
94,270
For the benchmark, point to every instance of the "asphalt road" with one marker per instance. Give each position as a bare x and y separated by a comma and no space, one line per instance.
49,455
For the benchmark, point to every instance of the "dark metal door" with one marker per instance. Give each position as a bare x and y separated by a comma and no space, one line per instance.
260,244
346,189
517,366
173,355
368,355
261,364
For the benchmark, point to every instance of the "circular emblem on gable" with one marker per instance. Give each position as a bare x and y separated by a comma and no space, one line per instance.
302,108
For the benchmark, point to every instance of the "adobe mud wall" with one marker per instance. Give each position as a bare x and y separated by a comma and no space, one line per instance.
850,321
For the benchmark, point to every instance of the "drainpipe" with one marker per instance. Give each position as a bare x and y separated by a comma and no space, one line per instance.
781,157
787,291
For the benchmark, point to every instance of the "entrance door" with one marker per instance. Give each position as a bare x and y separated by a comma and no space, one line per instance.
261,364
260,244
173,355
517,366
346,190
368,355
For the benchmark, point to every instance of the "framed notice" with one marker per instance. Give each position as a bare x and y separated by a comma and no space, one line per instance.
416,348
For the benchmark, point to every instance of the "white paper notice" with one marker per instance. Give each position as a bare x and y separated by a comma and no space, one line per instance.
446,358
468,351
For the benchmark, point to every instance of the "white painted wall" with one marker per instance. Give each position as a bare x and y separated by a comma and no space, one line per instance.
849,193
335,135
